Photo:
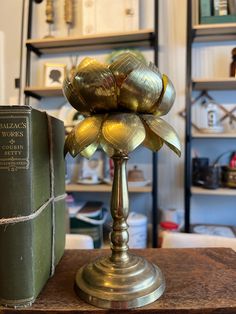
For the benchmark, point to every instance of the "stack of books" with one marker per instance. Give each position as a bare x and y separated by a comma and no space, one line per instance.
217,11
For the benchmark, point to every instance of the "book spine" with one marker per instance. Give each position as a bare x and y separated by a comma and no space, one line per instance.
232,7
223,7
16,275
32,173
216,5
205,8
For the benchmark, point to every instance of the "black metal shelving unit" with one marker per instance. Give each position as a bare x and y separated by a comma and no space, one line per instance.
200,34
142,39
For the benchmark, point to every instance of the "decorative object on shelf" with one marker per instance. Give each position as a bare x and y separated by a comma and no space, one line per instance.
69,116
68,14
211,177
32,208
210,117
233,64
228,173
199,164
54,74
121,16
89,220
122,111
138,224
135,174
49,17
92,170
206,118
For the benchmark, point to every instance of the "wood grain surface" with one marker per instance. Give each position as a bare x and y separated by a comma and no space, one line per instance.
199,281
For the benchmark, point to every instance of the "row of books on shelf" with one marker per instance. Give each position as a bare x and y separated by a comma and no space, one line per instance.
217,11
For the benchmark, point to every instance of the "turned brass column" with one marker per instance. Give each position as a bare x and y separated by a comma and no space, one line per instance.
119,211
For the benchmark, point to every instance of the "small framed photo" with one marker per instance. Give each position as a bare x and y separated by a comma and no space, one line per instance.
54,74
92,170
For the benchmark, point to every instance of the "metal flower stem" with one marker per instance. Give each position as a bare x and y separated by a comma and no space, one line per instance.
119,210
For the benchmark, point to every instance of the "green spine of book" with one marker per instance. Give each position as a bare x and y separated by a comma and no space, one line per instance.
29,249
205,8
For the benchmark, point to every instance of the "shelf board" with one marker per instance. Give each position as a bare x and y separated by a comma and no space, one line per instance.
227,83
39,92
104,188
224,135
139,38
217,192
214,32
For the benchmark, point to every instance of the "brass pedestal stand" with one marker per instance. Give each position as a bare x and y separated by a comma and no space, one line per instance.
122,280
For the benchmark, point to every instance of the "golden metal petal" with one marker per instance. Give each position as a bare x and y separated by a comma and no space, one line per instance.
106,147
86,62
96,86
124,64
71,145
90,150
73,97
167,98
88,131
165,131
152,141
140,90
123,132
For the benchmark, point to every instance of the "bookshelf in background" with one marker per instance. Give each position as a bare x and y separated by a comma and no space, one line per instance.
87,43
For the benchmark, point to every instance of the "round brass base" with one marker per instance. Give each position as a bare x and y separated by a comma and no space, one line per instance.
123,285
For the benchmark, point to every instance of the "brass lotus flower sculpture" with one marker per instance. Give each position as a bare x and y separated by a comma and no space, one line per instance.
122,104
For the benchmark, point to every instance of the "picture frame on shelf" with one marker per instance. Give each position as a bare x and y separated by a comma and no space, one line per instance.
54,74
92,170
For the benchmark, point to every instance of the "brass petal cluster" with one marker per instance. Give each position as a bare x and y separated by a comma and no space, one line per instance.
122,104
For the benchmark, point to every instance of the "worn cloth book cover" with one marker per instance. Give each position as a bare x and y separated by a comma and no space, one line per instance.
32,207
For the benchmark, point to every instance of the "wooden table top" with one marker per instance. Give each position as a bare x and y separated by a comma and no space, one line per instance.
198,281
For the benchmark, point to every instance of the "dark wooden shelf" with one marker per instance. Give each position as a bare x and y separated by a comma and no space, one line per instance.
214,84
104,188
214,32
40,92
223,135
139,38
217,192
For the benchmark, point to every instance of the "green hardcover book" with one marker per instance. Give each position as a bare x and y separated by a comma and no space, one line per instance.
205,8
218,19
32,207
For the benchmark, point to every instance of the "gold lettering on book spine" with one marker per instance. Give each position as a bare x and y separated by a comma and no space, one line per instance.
14,143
